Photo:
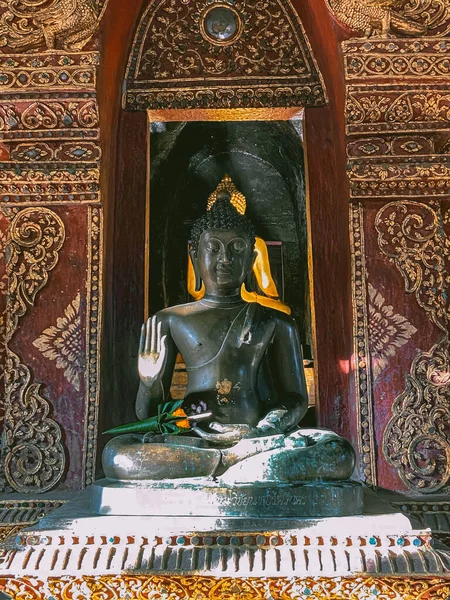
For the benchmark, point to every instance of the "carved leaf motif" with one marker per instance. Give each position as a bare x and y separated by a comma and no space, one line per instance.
39,115
88,115
400,110
63,344
388,331
35,457
37,234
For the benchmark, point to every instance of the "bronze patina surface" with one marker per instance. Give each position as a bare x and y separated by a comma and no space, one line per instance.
245,378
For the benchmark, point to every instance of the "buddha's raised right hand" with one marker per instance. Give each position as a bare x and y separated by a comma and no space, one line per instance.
152,352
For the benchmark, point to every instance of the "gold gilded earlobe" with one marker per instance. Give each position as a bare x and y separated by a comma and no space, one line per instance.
261,269
197,294
264,300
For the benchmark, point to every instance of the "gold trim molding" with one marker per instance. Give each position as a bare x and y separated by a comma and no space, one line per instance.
363,372
116,587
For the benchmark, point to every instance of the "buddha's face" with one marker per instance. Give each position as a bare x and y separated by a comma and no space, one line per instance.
224,258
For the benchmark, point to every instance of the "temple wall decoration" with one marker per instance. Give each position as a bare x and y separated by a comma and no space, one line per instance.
409,18
211,588
51,227
263,60
49,24
388,389
397,138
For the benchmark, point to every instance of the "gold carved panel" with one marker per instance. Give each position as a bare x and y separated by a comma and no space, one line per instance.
50,195
49,24
210,588
397,126
403,17
251,55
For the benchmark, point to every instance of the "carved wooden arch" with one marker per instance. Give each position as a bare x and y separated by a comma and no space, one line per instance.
175,62
124,190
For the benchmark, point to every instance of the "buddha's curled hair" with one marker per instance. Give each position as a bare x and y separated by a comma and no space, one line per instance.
222,215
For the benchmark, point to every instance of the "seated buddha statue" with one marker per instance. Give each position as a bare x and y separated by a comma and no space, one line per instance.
246,389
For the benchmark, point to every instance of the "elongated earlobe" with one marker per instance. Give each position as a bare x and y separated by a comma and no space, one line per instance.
195,285
261,269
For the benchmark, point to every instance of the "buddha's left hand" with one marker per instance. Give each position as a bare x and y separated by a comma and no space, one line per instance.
279,421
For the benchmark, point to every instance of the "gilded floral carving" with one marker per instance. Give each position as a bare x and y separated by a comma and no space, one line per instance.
62,343
176,63
417,64
416,440
68,24
410,236
397,115
35,455
406,145
37,235
405,17
388,331
411,108
418,176
48,115
116,587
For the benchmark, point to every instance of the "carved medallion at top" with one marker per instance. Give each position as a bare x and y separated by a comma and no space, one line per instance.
253,45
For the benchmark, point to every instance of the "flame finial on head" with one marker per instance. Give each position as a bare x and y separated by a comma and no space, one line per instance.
237,199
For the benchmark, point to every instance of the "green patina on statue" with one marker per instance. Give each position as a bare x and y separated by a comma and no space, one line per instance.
246,386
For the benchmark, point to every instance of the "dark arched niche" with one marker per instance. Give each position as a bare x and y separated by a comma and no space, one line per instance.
265,161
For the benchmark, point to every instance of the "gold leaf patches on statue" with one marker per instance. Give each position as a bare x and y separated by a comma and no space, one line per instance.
224,386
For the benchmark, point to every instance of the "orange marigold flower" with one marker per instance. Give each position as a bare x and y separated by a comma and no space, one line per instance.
178,413
183,424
